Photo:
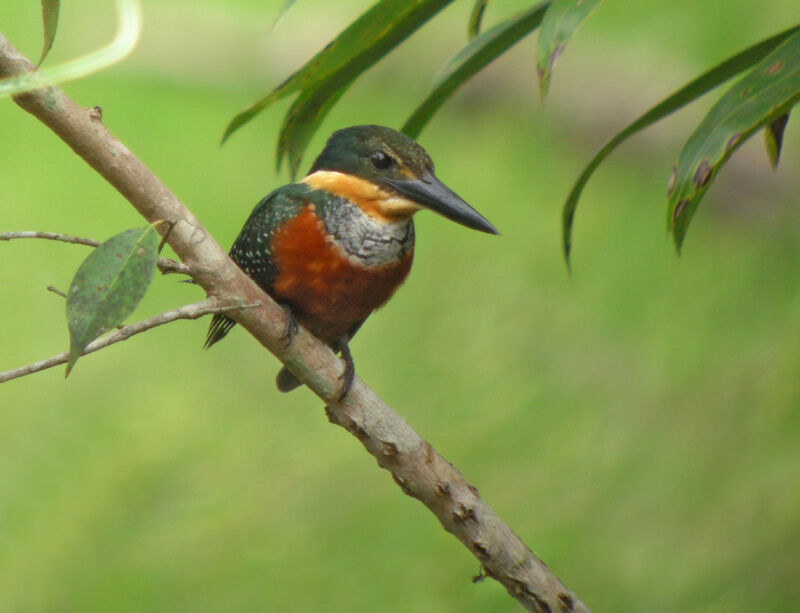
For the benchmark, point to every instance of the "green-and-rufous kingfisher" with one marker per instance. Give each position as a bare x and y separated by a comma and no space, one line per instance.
335,246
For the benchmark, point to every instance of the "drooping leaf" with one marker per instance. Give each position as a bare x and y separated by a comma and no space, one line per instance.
773,137
766,93
108,285
303,119
355,49
560,22
476,18
472,58
50,10
128,32
688,93
287,4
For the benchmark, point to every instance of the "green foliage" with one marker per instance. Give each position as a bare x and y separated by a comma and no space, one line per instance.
763,97
50,10
108,286
287,4
471,59
562,19
645,406
476,18
773,139
326,76
688,93
130,27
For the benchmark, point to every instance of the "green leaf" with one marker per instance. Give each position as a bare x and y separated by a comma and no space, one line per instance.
287,4
359,46
108,285
773,137
766,93
475,18
50,10
558,26
303,119
688,93
471,59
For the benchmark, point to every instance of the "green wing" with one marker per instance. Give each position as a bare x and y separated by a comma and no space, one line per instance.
252,249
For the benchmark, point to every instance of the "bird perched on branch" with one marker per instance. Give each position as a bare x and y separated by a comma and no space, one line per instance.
334,247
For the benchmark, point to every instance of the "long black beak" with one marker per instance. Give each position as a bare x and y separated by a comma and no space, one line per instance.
431,193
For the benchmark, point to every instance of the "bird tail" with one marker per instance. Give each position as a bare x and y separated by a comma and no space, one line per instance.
220,326
286,381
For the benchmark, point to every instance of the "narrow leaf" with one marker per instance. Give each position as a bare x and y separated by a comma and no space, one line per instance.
303,119
471,59
765,94
560,23
287,4
50,10
476,18
688,93
773,137
108,285
128,31
355,49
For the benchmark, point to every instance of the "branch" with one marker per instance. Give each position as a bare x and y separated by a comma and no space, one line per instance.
190,311
165,265
413,463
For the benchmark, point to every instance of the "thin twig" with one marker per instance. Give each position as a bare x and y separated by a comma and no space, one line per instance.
52,236
165,265
190,311
55,290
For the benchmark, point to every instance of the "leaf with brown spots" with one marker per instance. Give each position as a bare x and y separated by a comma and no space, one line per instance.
686,94
762,98
773,137
562,19
108,285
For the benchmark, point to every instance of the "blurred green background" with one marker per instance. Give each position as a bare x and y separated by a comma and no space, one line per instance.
636,424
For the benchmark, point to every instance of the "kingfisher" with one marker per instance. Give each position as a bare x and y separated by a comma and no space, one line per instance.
334,247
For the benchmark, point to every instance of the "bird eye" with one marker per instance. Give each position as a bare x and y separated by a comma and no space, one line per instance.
380,160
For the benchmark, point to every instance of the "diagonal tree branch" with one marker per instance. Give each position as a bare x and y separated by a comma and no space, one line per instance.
413,463
190,311
165,265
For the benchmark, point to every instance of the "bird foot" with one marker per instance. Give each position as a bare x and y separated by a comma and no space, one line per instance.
291,325
349,372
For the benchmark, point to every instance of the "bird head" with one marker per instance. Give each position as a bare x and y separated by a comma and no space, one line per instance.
388,175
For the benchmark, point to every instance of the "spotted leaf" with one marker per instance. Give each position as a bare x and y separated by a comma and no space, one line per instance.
686,94
108,285
760,98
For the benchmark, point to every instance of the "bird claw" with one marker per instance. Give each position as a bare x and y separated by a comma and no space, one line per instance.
291,325
348,374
